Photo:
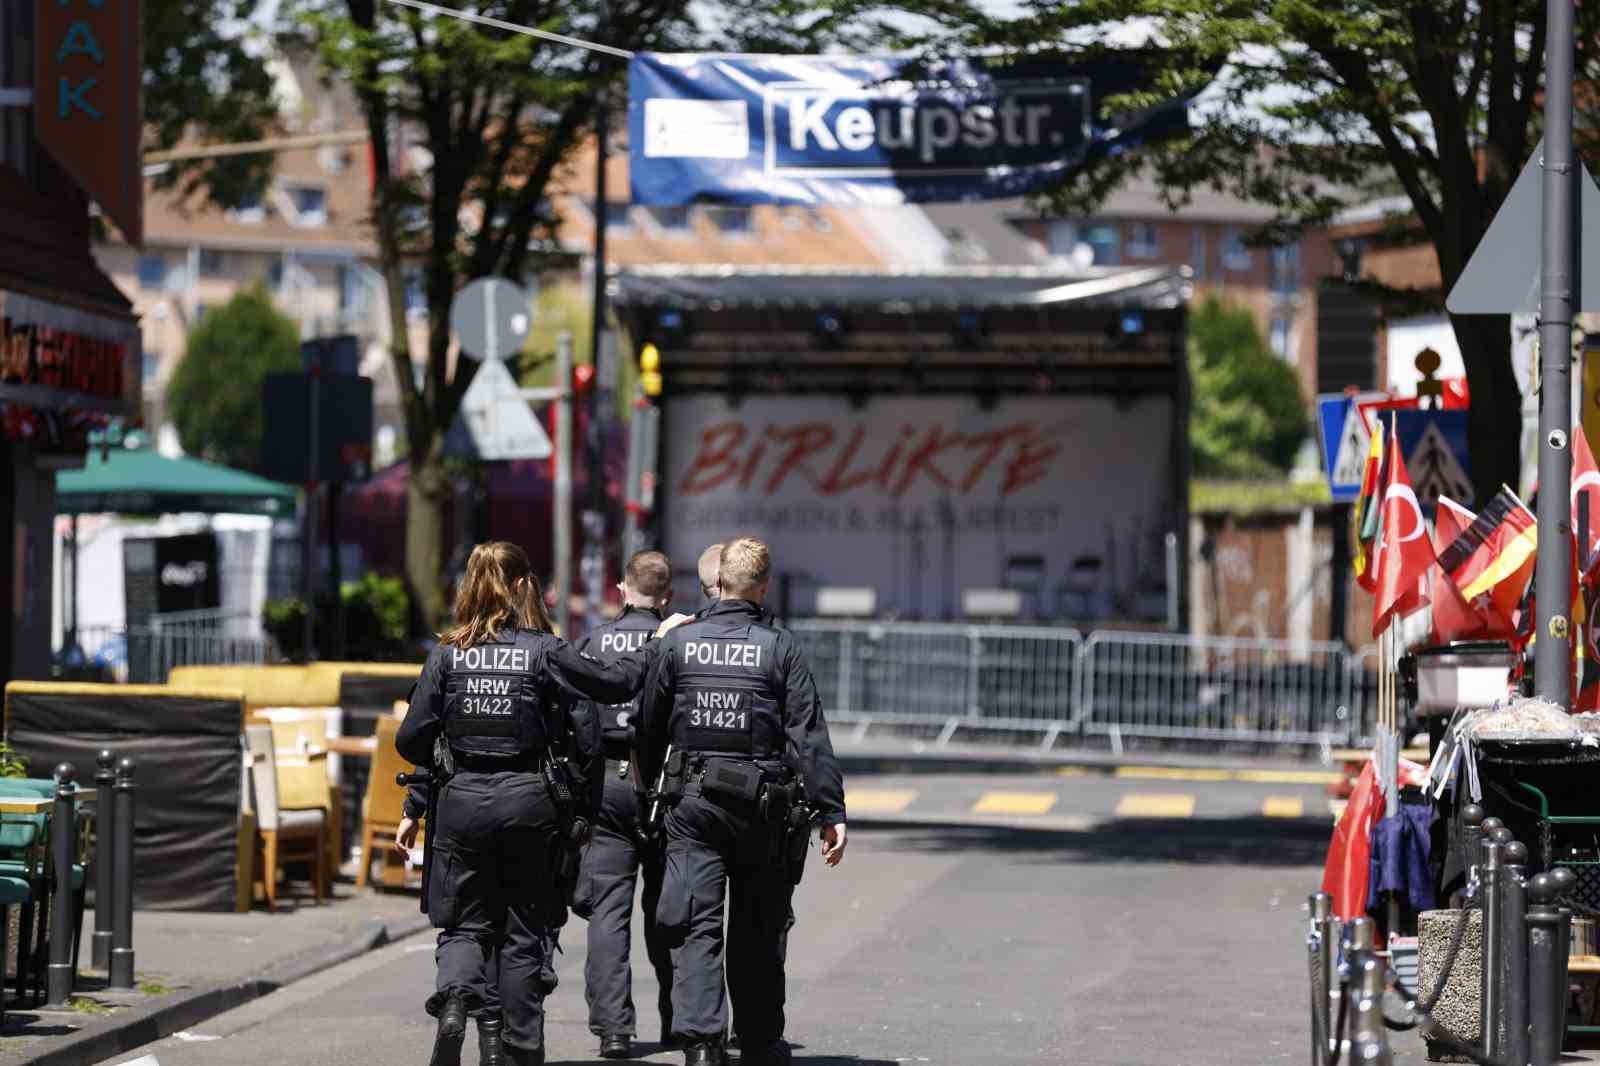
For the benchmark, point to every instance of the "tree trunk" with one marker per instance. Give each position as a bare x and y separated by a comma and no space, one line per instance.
1494,421
428,493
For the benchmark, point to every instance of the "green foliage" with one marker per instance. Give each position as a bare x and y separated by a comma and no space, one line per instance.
1247,417
377,613
1242,498
207,80
215,395
11,763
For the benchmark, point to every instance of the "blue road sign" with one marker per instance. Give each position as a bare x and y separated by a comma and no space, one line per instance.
1344,445
1434,444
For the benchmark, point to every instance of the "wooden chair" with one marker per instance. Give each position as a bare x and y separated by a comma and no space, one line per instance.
299,733
285,833
381,810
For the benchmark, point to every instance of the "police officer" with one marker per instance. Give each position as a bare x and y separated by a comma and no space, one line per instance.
734,698
615,853
498,690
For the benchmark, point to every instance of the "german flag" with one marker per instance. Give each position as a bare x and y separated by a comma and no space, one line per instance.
1491,561
1365,516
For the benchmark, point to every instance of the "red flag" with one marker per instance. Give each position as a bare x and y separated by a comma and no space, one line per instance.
1453,617
1404,552
1364,516
1491,561
1346,872
1585,488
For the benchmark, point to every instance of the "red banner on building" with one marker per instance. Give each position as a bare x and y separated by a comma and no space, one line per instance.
88,101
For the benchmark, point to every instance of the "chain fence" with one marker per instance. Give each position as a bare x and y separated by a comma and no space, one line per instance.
1052,682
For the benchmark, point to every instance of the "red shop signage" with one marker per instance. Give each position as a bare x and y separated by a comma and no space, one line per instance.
60,358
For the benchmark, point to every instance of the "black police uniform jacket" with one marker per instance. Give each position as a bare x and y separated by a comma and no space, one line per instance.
627,633
732,682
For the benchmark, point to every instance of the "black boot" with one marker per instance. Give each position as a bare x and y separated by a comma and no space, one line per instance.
490,1050
774,1054
616,1047
520,1057
704,1055
452,1031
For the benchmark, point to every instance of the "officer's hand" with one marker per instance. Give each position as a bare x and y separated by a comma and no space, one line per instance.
833,842
672,623
405,838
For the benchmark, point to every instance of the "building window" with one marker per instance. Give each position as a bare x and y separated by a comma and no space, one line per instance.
671,219
310,204
152,272
1062,240
16,84
731,220
618,214
1197,254
1235,256
416,294
211,263
1142,241
1285,270
1280,338
275,274
249,210
151,367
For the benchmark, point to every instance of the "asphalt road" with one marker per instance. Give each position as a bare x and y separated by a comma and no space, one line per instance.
1065,935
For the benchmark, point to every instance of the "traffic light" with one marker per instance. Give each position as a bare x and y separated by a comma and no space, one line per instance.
650,370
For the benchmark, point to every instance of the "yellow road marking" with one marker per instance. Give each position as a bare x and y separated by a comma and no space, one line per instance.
1174,773
1015,803
1155,805
878,800
1072,771
1283,807
1289,777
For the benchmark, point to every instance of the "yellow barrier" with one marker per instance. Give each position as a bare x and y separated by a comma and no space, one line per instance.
265,686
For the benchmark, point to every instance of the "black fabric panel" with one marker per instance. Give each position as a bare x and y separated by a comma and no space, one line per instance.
187,785
373,691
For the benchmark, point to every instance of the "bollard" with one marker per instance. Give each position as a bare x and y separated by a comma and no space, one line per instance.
1472,819
1317,948
1565,881
105,779
1489,998
63,841
122,879
1546,972
1514,951
1369,1042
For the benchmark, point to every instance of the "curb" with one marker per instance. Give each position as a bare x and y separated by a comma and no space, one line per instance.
928,758
145,1025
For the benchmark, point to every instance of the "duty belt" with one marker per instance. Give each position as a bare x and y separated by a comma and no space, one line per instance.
496,764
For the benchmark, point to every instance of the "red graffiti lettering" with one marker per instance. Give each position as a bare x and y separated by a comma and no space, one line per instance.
989,445
923,460
717,460
1030,462
807,439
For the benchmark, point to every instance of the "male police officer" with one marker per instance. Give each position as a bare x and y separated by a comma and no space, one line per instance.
615,852
736,701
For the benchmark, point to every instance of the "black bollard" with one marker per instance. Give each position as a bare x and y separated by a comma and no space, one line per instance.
105,779
1317,948
122,878
1369,1039
1546,972
1472,839
1565,881
1514,951
63,848
1490,1002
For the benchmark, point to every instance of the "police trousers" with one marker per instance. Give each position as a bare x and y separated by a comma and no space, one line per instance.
491,852
612,861
717,861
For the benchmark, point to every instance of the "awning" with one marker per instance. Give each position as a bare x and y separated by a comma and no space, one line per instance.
954,288
143,482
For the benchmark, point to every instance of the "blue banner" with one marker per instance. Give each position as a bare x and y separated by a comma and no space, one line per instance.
743,129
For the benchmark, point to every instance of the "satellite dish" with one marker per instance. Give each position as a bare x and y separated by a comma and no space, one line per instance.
1083,255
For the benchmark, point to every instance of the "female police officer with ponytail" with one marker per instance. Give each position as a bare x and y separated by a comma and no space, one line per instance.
499,689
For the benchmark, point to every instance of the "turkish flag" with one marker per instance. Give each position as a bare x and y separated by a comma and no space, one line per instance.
1404,550
1347,870
1453,616
1585,489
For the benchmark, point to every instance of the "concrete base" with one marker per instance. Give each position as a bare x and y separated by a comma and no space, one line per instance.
1457,1009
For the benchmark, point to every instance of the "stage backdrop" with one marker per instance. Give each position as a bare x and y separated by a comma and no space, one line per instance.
923,497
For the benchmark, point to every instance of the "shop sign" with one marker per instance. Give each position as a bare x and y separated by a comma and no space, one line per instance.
60,358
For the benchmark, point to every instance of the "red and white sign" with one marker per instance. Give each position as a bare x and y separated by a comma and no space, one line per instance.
923,497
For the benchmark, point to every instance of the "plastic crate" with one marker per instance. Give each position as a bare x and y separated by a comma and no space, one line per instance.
1585,898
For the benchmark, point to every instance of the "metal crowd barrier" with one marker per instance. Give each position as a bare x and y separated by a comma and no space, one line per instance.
147,653
1050,682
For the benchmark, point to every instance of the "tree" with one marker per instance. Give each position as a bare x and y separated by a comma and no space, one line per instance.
495,114
215,394
1317,105
1247,417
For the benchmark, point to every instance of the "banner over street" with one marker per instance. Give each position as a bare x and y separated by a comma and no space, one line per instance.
854,130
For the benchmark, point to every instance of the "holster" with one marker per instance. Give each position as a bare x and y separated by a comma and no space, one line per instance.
431,781
566,850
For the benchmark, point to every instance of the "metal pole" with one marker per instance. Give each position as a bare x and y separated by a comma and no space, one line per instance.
1546,972
1369,1042
63,850
1317,948
122,874
594,519
309,579
1565,881
1489,1001
1558,282
71,641
105,779
562,509
1514,956
1472,839
1174,613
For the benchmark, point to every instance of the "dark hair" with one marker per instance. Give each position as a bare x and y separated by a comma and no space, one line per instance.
487,603
649,574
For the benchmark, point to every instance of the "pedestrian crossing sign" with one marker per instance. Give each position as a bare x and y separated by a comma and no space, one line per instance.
1345,442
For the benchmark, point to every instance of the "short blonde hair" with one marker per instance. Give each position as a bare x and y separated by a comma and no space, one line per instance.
745,565
710,568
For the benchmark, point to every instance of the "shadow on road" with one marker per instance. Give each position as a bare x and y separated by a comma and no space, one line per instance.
1245,841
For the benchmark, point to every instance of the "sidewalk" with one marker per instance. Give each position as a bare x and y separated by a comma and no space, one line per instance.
193,966
884,752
